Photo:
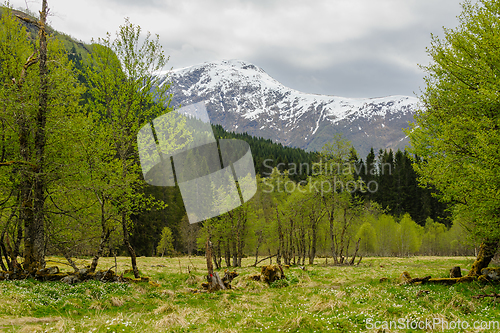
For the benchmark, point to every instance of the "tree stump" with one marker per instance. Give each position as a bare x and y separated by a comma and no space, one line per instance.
455,272
404,278
272,273
214,281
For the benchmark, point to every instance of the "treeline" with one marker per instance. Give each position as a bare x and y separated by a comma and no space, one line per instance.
267,154
326,215
391,180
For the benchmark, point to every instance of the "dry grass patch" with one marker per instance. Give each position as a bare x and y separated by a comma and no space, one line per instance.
168,292
31,329
321,305
193,279
199,316
117,301
251,285
171,320
165,308
98,305
459,303
28,320
297,322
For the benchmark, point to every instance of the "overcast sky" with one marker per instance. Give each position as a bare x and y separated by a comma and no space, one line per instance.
349,48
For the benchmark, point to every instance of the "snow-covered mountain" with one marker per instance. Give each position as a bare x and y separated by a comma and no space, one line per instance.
243,98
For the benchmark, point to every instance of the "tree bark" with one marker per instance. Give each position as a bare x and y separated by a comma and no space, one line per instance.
2,265
217,256
234,252
355,252
35,201
241,238
227,253
102,245
130,249
6,255
105,234
487,251
332,237
280,236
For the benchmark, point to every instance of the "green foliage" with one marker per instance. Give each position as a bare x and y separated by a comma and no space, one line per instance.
125,96
368,238
386,228
96,184
408,236
456,132
166,242
433,240
41,144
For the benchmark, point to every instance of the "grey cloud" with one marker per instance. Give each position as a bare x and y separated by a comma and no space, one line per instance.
360,48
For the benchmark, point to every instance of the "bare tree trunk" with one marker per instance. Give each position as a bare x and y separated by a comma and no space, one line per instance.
130,249
6,255
38,231
2,265
105,233
280,238
333,238
218,255
314,240
227,253
10,256
241,232
355,252
33,189
17,244
234,253
208,256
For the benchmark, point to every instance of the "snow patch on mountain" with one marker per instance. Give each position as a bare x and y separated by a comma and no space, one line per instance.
242,96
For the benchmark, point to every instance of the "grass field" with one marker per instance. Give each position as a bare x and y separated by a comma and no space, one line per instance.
318,299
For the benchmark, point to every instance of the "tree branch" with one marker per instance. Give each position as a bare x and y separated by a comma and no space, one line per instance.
33,166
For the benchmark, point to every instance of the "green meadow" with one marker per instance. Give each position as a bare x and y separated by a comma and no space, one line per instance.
319,298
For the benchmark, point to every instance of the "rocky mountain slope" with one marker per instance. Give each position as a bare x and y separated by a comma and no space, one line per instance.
243,98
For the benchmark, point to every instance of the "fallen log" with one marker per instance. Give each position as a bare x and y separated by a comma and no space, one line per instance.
53,274
484,296
258,262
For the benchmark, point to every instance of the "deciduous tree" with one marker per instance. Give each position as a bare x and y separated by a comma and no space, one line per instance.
126,94
456,131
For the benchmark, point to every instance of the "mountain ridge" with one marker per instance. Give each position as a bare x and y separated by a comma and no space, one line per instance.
242,97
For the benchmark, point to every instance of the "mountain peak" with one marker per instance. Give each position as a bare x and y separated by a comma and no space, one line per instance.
242,97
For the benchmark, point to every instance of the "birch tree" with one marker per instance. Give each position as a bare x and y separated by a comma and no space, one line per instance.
126,94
